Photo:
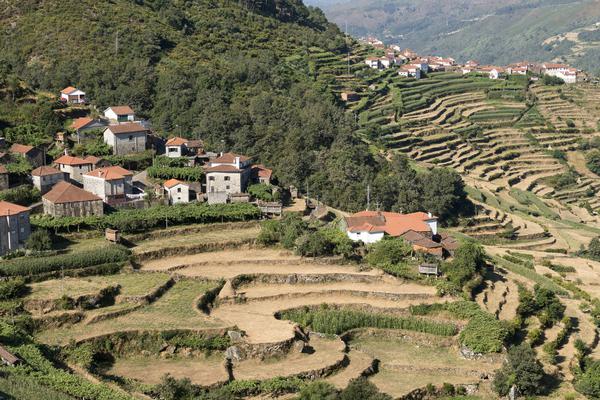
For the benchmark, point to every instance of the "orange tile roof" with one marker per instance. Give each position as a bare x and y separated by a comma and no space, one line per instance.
93,159
71,160
3,170
20,148
121,110
68,90
45,170
222,168
7,209
263,172
394,224
130,127
81,122
229,158
65,192
172,182
110,173
176,141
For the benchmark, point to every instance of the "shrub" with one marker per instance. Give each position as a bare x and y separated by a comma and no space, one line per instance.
388,251
535,336
314,244
484,334
592,161
521,369
24,195
189,174
552,80
362,389
588,382
12,288
39,241
318,391
269,232
262,191
33,266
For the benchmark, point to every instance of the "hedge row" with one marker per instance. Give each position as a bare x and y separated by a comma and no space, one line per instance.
33,266
157,216
190,174
337,321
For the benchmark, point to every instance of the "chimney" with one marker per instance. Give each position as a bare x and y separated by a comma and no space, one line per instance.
237,162
429,214
66,152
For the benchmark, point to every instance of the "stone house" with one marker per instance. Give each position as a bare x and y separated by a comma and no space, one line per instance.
4,184
111,184
75,167
86,125
126,138
14,227
177,191
119,114
261,174
230,173
68,200
31,154
45,177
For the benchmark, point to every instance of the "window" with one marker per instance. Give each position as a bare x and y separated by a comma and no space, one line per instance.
178,190
211,178
227,187
227,178
131,138
173,149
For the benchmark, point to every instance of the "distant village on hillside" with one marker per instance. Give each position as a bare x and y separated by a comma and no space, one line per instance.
412,65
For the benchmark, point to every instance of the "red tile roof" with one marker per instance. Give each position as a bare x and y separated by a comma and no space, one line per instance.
65,192
110,173
393,224
7,209
172,183
3,170
121,110
263,172
20,148
45,170
71,160
81,122
130,127
93,159
176,141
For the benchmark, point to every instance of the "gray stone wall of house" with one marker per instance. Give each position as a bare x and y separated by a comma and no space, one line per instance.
46,182
36,157
75,172
3,181
74,209
224,182
127,143
94,185
14,231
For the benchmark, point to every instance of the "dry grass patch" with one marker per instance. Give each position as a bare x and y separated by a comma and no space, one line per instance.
176,309
407,364
201,370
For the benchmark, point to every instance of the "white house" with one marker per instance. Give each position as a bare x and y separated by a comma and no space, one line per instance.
111,184
72,95
118,114
229,173
176,147
177,192
371,226
385,62
372,62
410,71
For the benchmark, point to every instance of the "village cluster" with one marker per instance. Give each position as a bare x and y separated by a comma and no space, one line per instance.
411,64
81,186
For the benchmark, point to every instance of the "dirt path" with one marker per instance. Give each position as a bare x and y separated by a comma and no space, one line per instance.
382,287
359,362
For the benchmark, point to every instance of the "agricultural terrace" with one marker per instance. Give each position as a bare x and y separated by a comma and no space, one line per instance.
276,315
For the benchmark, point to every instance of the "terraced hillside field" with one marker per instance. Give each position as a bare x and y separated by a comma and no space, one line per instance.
517,144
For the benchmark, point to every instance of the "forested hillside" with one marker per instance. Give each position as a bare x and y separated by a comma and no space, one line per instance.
237,75
491,32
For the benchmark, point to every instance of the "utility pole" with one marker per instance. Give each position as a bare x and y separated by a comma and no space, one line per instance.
347,47
368,196
117,42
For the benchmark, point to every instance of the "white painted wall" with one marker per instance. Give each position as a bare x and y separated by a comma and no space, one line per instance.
365,237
